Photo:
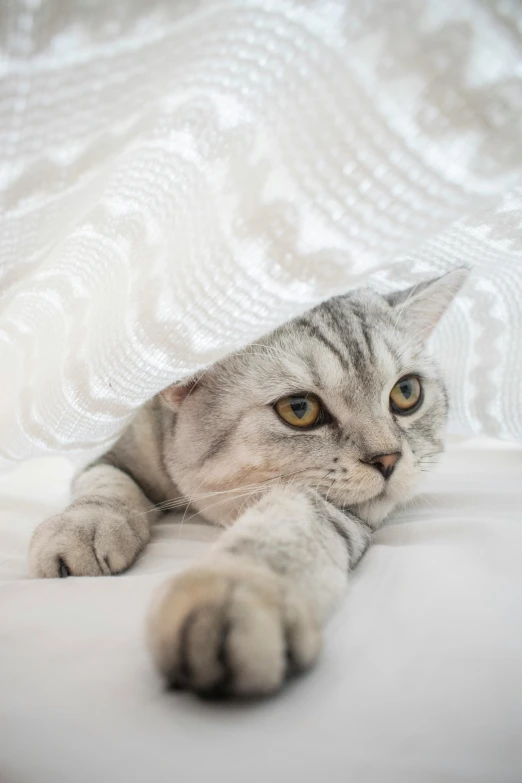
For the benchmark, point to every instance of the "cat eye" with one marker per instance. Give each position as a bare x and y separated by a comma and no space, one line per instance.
406,395
301,410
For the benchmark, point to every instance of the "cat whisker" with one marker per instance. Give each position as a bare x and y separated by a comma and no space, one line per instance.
253,487
259,489
241,507
323,478
413,339
191,500
428,499
401,311
168,505
226,500
175,503
330,487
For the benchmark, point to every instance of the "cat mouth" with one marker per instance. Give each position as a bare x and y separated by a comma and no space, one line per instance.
384,494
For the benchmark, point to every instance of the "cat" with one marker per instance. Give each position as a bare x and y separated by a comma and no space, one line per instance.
299,445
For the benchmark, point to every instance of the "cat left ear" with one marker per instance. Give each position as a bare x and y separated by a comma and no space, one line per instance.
176,393
422,306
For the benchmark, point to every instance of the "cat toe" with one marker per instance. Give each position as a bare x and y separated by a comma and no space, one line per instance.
231,633
80,543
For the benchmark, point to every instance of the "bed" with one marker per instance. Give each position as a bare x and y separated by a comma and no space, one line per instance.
420,679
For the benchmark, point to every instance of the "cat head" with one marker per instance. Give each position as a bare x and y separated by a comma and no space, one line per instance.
344,399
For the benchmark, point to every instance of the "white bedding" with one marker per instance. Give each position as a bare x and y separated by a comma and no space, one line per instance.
420,680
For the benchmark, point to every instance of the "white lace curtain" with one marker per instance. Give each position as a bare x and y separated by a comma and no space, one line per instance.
179,177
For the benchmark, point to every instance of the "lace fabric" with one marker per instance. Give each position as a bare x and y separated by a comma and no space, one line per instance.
179,178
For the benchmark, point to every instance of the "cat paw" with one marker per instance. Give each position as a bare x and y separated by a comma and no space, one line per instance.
231,630
90,538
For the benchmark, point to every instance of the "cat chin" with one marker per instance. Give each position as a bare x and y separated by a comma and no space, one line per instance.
375,511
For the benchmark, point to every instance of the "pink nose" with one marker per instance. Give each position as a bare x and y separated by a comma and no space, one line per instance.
384,463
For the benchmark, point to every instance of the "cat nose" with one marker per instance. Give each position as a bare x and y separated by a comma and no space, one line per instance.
384,463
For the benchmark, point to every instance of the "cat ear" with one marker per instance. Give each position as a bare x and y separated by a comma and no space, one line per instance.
422,306
174,394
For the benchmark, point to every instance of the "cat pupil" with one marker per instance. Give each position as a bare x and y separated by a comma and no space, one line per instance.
406,389
299,408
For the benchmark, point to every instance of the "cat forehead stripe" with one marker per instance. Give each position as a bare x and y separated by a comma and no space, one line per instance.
343,332
316,332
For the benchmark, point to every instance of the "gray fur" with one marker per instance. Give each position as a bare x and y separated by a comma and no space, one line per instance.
300,505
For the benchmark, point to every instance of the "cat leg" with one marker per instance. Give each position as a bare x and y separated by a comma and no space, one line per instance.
101,532
252,612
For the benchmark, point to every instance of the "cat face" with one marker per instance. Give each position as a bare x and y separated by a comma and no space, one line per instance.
344,399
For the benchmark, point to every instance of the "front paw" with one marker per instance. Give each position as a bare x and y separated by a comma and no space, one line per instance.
232,629
90,538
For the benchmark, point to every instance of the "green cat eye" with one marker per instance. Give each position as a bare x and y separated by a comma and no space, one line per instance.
406,395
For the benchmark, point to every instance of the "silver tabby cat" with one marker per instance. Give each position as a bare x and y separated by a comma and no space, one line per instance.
299,445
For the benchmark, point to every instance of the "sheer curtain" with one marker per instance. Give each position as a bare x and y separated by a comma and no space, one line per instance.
179,177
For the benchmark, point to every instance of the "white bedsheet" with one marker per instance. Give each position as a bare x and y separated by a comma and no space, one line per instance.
420,680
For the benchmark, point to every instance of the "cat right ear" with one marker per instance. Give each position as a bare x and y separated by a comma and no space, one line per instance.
420,307
175,394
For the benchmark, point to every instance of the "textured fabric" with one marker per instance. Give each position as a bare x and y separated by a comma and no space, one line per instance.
179,177
419,682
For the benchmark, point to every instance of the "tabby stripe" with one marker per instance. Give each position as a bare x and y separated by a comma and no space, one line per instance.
318,334
342,533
